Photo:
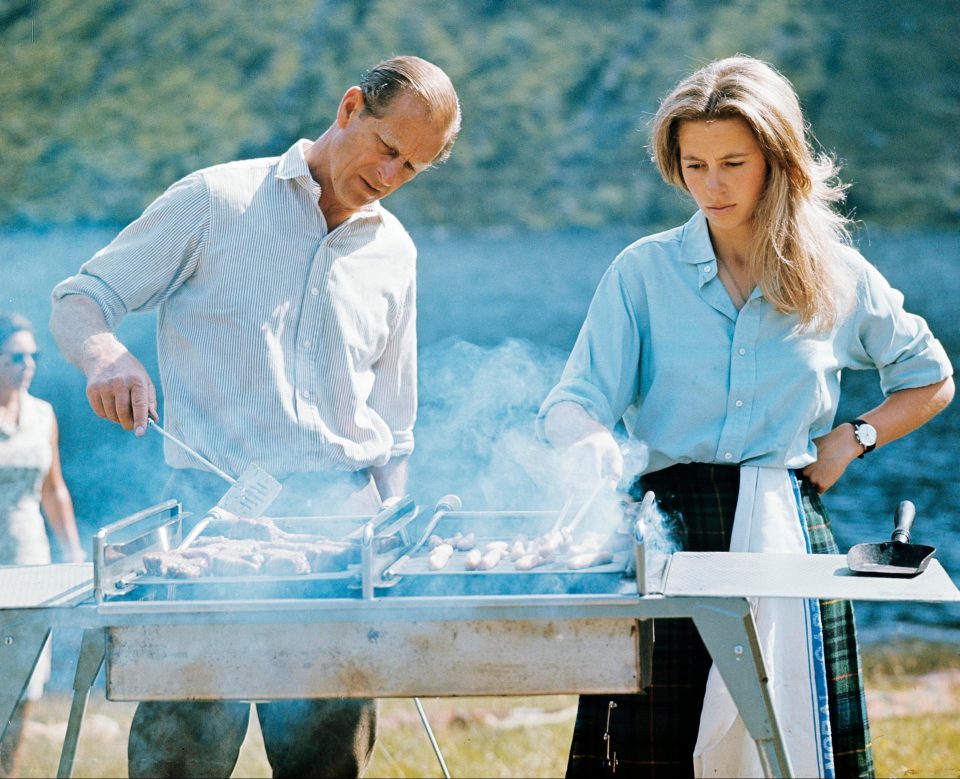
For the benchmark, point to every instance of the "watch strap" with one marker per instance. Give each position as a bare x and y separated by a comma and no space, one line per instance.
856,423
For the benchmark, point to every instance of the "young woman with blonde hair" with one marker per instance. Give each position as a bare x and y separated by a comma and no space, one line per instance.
720,344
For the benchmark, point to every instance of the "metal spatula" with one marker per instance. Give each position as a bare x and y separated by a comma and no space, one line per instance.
249,495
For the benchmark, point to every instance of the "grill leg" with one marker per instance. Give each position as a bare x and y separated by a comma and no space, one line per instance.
433,741
92,651
20,647
731,638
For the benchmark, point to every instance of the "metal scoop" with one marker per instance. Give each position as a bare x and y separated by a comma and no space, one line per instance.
896,557
249,495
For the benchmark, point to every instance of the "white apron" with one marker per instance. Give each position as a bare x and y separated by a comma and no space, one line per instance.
769,518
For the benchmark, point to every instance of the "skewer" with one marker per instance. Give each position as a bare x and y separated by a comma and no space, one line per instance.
561,515
582,511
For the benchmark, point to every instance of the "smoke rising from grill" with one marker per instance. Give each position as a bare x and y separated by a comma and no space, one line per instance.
475,430
476,438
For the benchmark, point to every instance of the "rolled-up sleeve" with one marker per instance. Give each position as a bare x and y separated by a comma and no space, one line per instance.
601,373
895,342
150,258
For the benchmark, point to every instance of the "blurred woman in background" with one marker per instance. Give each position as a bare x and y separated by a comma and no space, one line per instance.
720,344
31,489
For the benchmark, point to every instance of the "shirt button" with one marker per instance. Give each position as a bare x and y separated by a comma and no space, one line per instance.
306,394
307,344
727,456
708,269
739,403
741,351
314,291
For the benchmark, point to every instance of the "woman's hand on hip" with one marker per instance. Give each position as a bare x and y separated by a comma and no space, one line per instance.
835,451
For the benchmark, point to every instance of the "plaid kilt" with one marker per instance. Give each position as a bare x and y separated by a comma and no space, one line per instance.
654,733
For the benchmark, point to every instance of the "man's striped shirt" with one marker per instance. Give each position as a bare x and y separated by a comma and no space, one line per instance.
279,342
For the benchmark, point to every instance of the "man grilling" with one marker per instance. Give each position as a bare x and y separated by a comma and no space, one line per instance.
286,336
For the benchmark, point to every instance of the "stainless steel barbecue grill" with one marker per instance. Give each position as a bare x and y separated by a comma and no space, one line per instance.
365,628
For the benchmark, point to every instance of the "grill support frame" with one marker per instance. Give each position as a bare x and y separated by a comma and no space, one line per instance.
726,626
35,600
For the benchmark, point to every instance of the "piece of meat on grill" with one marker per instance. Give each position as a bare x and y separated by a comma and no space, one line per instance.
284,562
518,548
532,560
472,559
490,559
590,559
439,557
229,548
465,542
325,556
174,565
248,528
240,546
243,546
226,564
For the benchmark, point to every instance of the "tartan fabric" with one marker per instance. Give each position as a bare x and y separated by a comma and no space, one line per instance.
653,734
853,755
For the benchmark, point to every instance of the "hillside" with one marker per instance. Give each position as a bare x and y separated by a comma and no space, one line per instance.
106,102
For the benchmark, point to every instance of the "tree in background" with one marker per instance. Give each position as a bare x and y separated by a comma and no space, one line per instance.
104,101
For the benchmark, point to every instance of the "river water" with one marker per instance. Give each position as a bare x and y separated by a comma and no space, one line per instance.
498,312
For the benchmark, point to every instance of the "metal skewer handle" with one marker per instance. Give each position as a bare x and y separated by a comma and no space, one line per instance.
209,465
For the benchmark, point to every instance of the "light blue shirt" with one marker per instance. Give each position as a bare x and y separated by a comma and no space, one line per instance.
664,348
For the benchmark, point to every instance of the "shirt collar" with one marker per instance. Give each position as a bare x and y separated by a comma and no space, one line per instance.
293,166
695,245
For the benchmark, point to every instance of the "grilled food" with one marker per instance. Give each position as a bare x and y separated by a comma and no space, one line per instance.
241,546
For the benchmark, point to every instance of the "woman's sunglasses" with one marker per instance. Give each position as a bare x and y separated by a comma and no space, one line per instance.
19,358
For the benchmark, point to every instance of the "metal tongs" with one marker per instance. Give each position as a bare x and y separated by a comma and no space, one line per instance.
249,495
445,504
566,527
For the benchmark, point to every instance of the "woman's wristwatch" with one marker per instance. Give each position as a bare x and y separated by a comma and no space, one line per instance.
866,435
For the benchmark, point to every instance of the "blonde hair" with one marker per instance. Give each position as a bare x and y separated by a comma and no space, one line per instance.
386,81
796,229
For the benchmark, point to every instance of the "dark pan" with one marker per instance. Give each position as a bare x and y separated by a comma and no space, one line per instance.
896,557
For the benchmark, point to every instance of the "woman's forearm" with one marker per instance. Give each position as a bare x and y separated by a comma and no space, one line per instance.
904,411
900,413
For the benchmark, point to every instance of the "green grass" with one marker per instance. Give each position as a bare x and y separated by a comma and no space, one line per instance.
493,737
923,746
529,737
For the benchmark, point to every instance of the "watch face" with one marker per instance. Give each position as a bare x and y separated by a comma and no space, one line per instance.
866,434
